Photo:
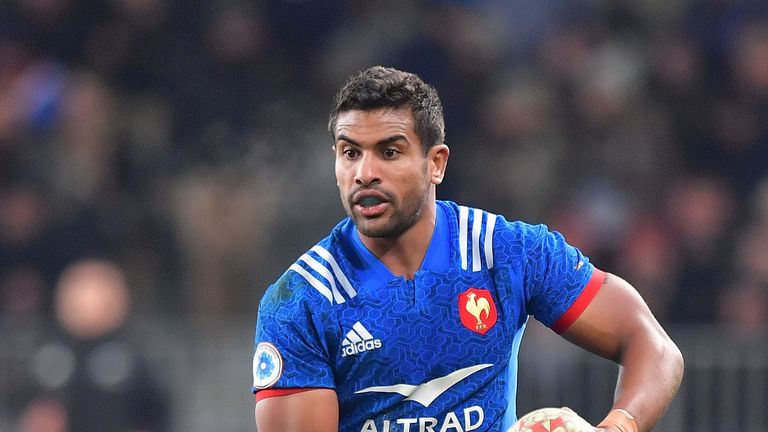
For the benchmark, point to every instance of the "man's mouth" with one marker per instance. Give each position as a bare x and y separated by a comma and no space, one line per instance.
370,201
371,205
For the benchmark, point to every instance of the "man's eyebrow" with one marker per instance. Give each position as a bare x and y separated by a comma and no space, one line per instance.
391,139
343,137
385,141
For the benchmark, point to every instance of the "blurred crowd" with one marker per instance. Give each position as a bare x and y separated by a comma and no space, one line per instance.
185,141
178,148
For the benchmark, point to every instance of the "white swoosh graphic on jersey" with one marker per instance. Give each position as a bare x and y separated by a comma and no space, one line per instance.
427,392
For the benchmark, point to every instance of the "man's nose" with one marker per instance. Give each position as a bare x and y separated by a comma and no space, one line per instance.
367,170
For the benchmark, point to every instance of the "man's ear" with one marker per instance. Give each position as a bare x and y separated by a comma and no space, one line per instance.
438,162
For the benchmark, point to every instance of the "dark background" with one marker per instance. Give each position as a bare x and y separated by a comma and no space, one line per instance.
185,142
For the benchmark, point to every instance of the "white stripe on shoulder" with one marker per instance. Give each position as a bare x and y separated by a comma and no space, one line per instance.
336,269
477,216
463,220
316,266
313,281
488,245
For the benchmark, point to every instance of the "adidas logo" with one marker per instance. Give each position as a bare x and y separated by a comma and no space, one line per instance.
358,340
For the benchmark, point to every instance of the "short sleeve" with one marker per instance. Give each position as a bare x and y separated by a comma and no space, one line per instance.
290,344
560,280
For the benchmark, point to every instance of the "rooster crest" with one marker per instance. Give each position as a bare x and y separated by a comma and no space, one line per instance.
476,307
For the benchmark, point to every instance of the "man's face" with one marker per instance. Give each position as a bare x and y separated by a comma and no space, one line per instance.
384,177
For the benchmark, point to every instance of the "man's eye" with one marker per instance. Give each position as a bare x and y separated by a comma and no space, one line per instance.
390,153
350,153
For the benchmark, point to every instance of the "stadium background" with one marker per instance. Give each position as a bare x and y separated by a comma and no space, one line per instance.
185,141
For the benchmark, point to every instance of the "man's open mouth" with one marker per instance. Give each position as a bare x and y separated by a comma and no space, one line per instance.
371,204
370,201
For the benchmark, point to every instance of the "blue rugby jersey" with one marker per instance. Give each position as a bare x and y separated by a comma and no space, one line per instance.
435,353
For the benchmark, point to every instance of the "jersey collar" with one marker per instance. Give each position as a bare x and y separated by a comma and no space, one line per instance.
437,257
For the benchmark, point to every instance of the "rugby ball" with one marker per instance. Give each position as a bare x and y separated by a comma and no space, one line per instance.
551,420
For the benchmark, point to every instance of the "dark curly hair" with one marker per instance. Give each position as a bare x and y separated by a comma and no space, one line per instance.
383,87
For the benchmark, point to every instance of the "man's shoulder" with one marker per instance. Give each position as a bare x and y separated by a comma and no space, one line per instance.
319,276
467,214
486,232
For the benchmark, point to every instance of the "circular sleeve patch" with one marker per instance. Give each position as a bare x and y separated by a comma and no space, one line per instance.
267,365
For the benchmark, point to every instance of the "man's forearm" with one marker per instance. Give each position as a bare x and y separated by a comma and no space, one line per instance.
650,374
618,325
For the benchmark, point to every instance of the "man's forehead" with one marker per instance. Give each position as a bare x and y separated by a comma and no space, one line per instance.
377,120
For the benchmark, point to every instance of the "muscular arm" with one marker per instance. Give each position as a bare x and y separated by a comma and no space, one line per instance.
619,326
309,411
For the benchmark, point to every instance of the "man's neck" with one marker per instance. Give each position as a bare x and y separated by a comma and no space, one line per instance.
404,254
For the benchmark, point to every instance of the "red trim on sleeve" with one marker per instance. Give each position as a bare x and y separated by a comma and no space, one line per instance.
581,303
268,393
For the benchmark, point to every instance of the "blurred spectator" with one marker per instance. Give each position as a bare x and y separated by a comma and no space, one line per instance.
222,223
744,306
701,215
648,257
88,375
743,303
30,255
519,139
44,415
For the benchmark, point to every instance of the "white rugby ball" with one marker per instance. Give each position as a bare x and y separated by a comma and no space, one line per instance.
551,420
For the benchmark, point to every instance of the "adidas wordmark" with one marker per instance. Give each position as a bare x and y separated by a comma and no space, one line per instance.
358,340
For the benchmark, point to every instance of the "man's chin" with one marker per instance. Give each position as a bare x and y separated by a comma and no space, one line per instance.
371,229
379,228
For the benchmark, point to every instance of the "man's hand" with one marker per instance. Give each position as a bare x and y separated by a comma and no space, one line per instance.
618,420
